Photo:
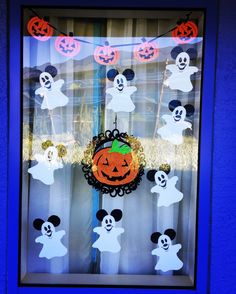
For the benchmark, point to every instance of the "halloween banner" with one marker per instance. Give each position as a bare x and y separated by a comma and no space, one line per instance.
145,50
114,163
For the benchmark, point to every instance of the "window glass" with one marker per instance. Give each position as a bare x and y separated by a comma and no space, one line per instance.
116,74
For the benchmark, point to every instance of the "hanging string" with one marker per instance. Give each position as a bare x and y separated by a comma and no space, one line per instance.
115,121
179,22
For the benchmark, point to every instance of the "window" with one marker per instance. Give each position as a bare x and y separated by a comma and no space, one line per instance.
116,49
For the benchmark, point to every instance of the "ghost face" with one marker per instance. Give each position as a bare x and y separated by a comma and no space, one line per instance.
120,82
179,114
164,242
51,154
161,179
48,229
182,61
46,80
108,222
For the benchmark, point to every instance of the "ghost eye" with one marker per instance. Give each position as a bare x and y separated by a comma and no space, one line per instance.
121,80
45,229
166,240
181,111
47,78
185,59
118,82
43,79
110,221
106,221
180,60
162,241
176,112
49,227
159,178
162,176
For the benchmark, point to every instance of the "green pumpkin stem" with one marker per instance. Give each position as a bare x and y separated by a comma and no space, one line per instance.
124,149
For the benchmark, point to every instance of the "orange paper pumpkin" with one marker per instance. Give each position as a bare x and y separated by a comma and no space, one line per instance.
39,29
114,166
67,46
145,52
185,32
106,55
114,170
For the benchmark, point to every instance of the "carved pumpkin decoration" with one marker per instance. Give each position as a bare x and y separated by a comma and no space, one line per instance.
115,169
145,52
39,29
106,55
67,45
185,32
116,165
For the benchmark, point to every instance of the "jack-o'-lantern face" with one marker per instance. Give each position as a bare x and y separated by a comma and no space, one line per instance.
39,29
106,55
115,166
185,32
145,52
67,46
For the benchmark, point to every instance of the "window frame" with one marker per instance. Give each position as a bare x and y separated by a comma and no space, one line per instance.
205,144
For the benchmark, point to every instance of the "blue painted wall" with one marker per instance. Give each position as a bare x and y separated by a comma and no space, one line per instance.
223,217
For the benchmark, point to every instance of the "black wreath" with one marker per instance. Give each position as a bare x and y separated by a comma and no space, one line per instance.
120,190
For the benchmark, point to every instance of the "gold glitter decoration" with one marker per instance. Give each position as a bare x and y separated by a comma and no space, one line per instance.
61,150
46,144
165,167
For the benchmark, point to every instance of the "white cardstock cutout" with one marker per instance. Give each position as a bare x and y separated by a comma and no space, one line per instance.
165,187
51,92
51,240
167,253
175,125
120,92
108,234
180,73
47,164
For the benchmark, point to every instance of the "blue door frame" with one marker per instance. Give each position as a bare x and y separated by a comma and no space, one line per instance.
203,238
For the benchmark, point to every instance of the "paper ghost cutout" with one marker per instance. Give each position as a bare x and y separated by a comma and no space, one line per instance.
175,123
47,164
51,240
108,232
165,187
50,90
181,71
120,92
168,259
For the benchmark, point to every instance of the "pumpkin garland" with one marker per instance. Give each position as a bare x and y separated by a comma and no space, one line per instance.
39,29
114,163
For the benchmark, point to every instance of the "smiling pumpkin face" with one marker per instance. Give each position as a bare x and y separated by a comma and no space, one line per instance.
115,166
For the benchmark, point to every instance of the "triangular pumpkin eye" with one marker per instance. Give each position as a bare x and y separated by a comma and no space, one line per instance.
73,45
112,53
101,52
151,48
36,23
63,41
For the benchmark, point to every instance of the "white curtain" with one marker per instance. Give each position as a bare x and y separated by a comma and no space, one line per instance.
70,197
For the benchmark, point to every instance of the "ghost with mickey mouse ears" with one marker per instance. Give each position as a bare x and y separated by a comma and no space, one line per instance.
181,70
120,92
175,123
167,253
50,161
50,90
165,187
108,232
51,240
